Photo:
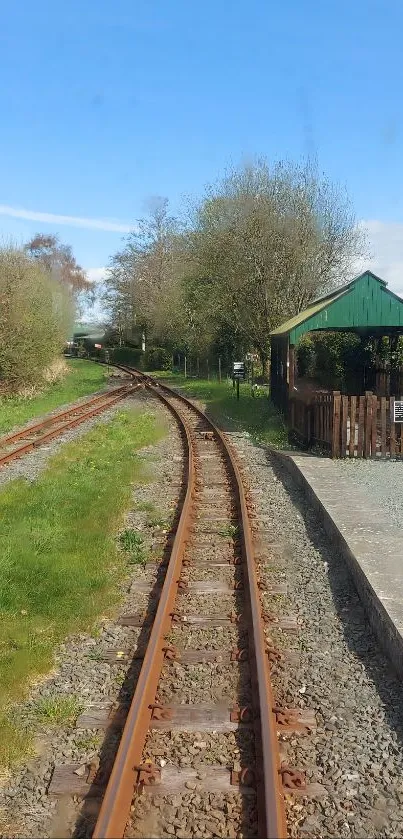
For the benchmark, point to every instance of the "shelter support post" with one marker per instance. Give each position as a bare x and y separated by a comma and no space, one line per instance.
291,369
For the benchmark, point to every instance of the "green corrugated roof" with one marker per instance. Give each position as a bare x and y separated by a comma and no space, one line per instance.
307,313
365,304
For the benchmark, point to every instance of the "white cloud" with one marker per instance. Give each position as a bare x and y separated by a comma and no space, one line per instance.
386,248
70,221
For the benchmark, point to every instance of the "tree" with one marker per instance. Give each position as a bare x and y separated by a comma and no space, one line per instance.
141,286
265,241
58,259
257,247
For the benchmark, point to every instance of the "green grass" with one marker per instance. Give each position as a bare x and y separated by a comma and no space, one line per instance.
84,377
60,565
89,741
230,530
256,415
133,544
57,710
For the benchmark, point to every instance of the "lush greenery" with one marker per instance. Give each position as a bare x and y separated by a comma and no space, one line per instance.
157,358
127,355
59,561
338,360
254,249
83,377
35,318
254,414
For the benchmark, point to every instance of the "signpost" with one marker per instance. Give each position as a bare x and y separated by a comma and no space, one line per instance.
398,411
237,374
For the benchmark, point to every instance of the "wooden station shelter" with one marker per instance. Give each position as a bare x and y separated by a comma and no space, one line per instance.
364,306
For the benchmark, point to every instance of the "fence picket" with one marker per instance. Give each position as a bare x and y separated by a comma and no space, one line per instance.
360,436
351,447
347,426
383,426
367,424
344,418
374,409
336,424
392,427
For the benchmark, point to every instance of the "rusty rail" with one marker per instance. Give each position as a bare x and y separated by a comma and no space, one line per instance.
68,419
124,778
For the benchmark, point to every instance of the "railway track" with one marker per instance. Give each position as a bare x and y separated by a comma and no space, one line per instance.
211,590
13,446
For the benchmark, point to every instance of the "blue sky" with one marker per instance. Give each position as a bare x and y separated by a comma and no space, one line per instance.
105,104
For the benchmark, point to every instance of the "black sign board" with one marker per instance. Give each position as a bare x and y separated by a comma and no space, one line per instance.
238,370
398,411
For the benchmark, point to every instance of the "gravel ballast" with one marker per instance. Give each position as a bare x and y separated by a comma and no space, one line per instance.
338,671
341,674
382,480
26,810
31,465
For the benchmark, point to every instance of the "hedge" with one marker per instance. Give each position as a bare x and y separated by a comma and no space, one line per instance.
127,355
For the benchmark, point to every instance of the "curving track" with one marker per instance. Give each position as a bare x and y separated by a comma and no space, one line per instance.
211,580
13,446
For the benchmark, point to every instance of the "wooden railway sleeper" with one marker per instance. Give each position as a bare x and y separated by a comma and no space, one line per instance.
287,717
207,435
160,712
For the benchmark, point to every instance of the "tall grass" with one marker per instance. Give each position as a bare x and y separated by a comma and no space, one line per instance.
59,562
83,378
254,414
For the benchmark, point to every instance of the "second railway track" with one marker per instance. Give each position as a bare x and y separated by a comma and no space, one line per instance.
19,443
209,616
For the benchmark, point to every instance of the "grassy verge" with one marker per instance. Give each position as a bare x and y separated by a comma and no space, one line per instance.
256,415
83,378
59,561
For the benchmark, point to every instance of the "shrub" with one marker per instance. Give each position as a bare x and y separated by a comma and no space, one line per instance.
334,359
306,356
157,358
35,318
127,355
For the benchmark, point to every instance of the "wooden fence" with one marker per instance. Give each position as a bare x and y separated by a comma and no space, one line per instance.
347,426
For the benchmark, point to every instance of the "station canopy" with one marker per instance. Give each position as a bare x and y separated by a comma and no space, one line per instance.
364,305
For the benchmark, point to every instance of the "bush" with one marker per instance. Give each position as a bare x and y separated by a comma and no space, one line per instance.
127,355
157,358
306,356
334,359
35,319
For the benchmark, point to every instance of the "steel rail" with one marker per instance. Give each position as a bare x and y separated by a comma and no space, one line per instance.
119,793
107,402
32,429
115,807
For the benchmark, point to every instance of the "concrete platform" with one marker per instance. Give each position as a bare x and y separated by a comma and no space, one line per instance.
370,544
